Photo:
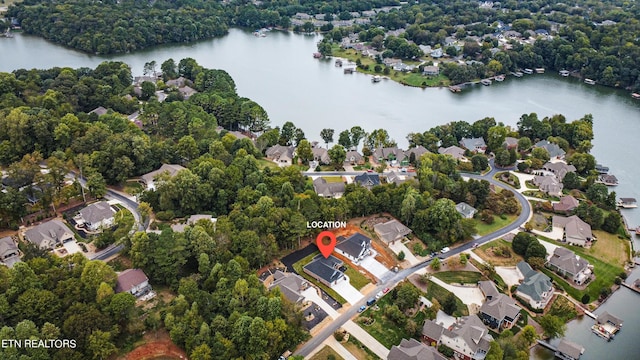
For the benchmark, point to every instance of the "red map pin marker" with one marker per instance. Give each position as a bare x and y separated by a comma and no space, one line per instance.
326,247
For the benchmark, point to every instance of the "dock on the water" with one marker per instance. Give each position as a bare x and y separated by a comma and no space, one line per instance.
633,287
566,350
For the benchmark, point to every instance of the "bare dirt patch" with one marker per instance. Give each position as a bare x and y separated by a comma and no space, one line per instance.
155,345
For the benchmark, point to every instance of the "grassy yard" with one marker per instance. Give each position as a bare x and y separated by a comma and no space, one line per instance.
264,163
333,179
609,248
298,268
355,347
459,277
439,293
325,353
540,195
124,219
488,253
563,308
513,180
133,187
356,279
498,223
386,331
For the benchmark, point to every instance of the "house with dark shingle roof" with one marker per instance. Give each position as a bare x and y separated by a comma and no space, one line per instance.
328,189
567,350
99,215
476,145
133,281
566,204
321,155
99,111
569,265
576,231
467,337
291,285
559,169
413,349
367,180
548,184
327,271
9,252
391,155
488,289
453,151
391,231
356,247
417,152
555,151
499,312
536,288
49,234
510,143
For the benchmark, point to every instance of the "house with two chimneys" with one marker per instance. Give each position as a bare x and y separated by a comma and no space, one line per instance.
570,266
536,288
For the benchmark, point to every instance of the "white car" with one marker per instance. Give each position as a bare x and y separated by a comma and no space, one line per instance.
379,295
445,250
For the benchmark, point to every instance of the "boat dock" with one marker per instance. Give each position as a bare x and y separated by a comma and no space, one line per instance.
631,287
566,350
547,345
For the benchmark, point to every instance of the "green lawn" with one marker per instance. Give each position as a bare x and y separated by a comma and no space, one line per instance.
439,293
263,163
459,277
125,220
356,278
364,167
498,223
298,268
133,187
512,178
325,353
333,179
355,347
487,253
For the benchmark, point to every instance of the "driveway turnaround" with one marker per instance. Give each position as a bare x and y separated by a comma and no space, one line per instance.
347,291
368,340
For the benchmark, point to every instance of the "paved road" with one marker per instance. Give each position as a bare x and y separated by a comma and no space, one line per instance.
108,252
349,173
307,348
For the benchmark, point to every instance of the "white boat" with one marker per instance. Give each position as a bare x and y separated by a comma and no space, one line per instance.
376,78
527,71
499,78
635,96
485,82
589,81
627,203
518,74
564,73
539,70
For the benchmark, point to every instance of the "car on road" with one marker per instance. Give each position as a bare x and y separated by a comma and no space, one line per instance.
379,295
369,170
445,250
386,290
475,245
371,302
362,308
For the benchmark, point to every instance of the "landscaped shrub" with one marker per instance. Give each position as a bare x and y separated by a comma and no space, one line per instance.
445,350
586,299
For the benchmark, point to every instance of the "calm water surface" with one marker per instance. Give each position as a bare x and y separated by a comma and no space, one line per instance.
279,73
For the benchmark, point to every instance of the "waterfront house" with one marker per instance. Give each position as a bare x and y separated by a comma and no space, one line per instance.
510,143
179,82
356,247
567,350
49,234
576,231
476,145
187,92
453,151
431,70
391,231
536,288
291,285
391,61
281,155
569,265
498,310
413,349
467,337
548,184
99,215
467,211
559,169
607,179
133,281
149,179
9,252
367,180
327,271
354,158
328,189
566,204
555,151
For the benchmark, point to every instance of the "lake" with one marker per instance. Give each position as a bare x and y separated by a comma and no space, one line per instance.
279,72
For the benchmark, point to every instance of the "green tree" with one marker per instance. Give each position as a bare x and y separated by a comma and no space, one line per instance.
304,152
480,162
529,335
357,134
337,154
96,184
344,139
100,345
612,222
552,326
406,296
449,304
495,352
521,242
327,136
435,264
535,250
571,181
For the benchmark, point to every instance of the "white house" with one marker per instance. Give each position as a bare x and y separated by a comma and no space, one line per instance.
96,216
356,247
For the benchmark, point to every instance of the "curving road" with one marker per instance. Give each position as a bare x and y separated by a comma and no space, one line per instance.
525,212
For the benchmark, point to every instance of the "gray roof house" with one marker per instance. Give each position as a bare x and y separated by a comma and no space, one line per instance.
568,350
536,287
510,143
413,349
328,189
566,263
9,252
559,169
468,337
566,204
554,150
133,281
391,231
99,111
356,247
474,144
291,285
548,184
149,178
48,234
179,82
281,155
456,152
467,211
576,231
321,155
96,216
488,289
192,220
418,151
390,155
327,271
393,177
431,70
187,92
367,180
354,158
501,312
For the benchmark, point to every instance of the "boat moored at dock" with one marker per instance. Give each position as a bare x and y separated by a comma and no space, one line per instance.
485,82
564,73
627,203
376,78
499,78
589,81
539,70
601,169
635,96
528,71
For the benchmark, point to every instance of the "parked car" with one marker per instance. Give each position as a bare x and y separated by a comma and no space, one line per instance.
386,290
371,302
445,250
362,308
379,295
476,245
